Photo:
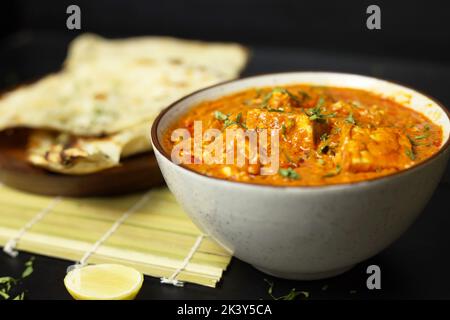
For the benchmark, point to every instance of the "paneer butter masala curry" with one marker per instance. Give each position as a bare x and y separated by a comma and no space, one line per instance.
327,135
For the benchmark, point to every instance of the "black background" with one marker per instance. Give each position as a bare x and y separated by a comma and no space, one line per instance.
416,29
413,47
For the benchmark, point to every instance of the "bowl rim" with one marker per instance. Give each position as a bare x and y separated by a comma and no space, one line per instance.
157,145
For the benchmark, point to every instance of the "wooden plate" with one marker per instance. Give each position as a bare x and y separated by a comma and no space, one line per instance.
135,174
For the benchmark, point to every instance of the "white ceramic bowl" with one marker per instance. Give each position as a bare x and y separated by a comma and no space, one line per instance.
305,232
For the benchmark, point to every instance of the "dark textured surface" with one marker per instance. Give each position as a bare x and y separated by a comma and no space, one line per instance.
415,267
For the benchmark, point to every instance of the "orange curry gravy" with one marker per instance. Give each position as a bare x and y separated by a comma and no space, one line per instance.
327,135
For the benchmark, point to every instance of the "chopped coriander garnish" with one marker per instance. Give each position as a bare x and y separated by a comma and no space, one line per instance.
283,130
410,153
7,283
304,95
425,135
290,296
20,296
287,157
350,119
315,114
324,137
321,161
220,116
6,280
3,294
239,117
28,268
415,143
227,121
238,121
411,140
289,173
269,95
335,173
422,136
276,110
320,103
285,91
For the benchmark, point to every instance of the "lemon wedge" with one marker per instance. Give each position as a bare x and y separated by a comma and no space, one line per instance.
104,282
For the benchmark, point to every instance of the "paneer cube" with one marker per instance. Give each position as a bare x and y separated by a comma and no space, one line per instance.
298,129
364,149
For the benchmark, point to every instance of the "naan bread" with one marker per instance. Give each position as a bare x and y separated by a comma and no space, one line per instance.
108,88
65,153
110,85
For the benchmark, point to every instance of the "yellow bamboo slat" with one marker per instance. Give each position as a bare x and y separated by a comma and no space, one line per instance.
155,239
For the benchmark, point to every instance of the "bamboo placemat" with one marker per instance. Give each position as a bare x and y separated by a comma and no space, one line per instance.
157,239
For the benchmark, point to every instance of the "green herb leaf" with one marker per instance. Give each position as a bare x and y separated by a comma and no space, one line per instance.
227,121
304,95
288,158
20,296
410,153
6,280
315,114
414,143
220,116
324,137
29,262
269,95
27,272
294,294
285,91
289,173
335,173
239,117
28,268
422,136
350,119
4,295
281,110
290,296
283,130
239,120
